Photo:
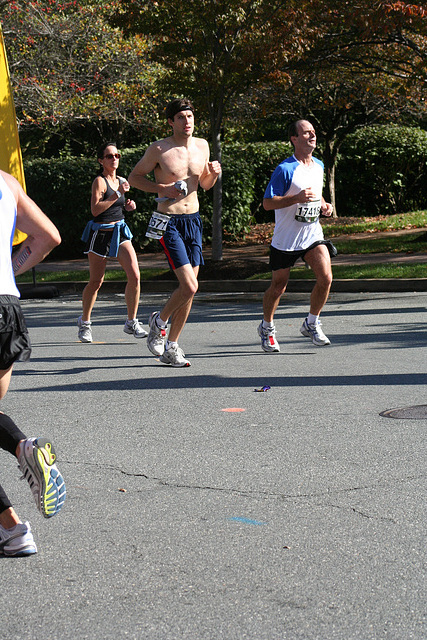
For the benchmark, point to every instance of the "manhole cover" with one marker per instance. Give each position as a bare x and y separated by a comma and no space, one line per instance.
410,413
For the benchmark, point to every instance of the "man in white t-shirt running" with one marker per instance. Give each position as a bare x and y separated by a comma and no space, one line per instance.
295,194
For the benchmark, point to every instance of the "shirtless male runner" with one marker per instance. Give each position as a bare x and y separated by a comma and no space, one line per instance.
180,157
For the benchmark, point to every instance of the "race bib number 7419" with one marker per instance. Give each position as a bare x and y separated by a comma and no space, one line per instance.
309,211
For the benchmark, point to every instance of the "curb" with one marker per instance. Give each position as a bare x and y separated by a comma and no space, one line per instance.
31,291
39,291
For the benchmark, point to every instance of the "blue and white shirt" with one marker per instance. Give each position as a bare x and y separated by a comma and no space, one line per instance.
297,226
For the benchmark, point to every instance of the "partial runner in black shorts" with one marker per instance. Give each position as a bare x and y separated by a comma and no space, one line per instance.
14,338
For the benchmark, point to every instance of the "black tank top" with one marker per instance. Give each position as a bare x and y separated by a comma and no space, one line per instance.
115,212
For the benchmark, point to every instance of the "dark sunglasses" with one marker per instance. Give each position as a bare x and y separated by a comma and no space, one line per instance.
111,156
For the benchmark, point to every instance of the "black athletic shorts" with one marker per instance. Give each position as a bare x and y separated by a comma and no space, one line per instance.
14,338
286,259
99,242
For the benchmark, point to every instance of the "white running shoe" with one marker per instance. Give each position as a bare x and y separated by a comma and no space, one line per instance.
85,331
17,541
175,357
314,331
268,339
135,328
156,336
36,460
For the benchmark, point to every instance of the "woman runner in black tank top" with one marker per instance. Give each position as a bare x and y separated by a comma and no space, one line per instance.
108,206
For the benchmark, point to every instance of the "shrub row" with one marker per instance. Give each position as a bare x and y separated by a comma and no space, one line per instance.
61,187
380,170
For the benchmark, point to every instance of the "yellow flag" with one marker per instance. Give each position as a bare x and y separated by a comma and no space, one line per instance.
10,149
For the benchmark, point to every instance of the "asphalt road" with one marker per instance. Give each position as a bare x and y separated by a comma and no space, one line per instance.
299,517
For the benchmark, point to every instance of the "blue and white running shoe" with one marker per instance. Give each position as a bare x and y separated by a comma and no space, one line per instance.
314,331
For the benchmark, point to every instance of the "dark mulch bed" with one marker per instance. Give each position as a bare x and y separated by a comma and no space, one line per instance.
262,233
241,269
232,269
226,269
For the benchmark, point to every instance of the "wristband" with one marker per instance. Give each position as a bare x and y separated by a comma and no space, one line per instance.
118,194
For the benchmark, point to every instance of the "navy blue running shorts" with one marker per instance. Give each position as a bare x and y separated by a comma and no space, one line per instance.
182,240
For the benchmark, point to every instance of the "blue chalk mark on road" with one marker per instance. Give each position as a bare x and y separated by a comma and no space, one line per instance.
248,521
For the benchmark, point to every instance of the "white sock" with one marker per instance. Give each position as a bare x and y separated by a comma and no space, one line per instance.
311,319
160,323
170,344
267,325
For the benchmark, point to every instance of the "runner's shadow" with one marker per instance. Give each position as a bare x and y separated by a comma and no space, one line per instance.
183,381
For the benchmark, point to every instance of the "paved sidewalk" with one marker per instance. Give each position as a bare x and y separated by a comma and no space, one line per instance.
258,253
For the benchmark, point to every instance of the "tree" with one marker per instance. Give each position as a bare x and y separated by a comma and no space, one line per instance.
345,64
74,77
339,103
367,65
214,51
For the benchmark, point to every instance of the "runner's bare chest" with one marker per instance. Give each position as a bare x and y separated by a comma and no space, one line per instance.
181,162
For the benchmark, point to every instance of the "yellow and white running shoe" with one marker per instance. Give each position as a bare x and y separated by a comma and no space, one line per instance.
36,460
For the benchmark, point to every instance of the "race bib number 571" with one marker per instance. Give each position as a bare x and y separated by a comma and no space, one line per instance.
309,211
157,225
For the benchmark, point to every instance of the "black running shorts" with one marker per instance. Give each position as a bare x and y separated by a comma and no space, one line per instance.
286,259
99,242
14,338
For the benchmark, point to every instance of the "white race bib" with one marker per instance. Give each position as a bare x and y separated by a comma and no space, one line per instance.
309,211
157,225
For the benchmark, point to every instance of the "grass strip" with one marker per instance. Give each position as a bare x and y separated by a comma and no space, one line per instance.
350,272
396,222
359,272
398,244
111,275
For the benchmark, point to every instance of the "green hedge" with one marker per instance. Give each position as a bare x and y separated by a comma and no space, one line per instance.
62,188
382,170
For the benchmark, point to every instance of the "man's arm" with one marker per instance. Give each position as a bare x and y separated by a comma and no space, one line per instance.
281,202
210,175
327,208
145,166
42,235
211,170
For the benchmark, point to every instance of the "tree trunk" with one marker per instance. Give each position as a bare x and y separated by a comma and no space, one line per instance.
330,159
217,202
331,182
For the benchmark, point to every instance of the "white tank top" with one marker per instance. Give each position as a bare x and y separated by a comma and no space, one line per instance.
7,228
